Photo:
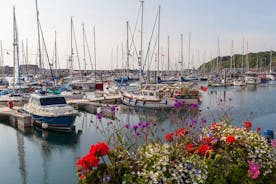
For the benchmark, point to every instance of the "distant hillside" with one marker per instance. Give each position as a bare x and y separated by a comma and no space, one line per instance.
224,61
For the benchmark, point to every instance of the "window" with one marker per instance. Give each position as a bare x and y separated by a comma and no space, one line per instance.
52,101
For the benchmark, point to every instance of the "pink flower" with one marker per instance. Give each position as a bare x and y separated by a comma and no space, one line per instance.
273,143
254,169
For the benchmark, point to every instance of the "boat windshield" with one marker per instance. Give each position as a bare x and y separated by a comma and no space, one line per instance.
52,101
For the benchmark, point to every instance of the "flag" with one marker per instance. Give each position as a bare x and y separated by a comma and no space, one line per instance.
203,88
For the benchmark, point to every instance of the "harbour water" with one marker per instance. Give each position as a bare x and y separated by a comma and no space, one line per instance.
47,157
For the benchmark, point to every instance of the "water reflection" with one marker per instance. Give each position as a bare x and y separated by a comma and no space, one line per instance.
57,138
21,156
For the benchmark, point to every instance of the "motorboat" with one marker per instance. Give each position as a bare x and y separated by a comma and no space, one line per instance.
51,111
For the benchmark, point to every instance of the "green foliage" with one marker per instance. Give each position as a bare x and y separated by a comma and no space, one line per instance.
263,59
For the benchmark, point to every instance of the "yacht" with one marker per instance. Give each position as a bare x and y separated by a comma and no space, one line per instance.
252,78
159,96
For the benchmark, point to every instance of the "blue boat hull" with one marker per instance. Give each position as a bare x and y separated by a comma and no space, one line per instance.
56,123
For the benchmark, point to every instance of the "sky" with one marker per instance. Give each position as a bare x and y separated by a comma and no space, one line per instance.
253,21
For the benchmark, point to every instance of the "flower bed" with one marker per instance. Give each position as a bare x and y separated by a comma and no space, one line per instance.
219,153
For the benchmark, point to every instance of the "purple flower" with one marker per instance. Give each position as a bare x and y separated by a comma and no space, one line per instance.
145,124
198,172
127,125
194,121
106,179
113,109
203,120
135,127
137,134
177,105
194,106
99,116
140,124
189,167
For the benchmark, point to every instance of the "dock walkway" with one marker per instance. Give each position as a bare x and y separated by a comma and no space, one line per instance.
17,119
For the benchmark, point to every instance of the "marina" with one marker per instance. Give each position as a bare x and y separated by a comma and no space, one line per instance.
134,100
18,152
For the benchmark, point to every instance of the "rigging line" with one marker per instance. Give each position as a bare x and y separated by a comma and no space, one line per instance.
132,37
150,61
151,38
132,41
77,51
89,54
43,41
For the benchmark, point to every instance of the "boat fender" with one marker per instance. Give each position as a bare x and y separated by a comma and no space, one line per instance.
135,102
44,125
144,102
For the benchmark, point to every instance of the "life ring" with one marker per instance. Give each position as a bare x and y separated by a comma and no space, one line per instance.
44,125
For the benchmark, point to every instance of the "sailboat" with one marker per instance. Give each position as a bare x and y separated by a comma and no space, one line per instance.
77,79
157,96
14,96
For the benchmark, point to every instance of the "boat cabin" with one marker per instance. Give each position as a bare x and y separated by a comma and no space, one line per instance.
47,100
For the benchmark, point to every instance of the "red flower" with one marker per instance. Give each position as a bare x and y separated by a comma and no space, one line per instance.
93,160
247,124
258,130
103,148
231,139
169,136
99,149
204,149
207,140
190,148
88,161
181,132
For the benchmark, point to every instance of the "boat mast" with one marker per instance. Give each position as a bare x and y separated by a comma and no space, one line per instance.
270,63
158,46
242,56
218,58
189,52
94,33
246,57
55,55
182,64
127,46
83,40
27,58
231,59
168,54
204,64
38,35
16,76
140,59
71,47
2,59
